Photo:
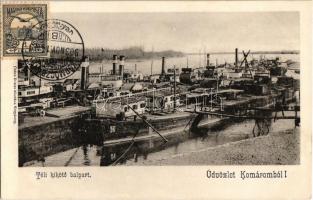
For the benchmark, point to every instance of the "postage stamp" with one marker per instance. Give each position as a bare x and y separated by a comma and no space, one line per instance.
65,50
19,28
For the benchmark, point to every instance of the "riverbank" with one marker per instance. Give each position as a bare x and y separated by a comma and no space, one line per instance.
277,148
136,52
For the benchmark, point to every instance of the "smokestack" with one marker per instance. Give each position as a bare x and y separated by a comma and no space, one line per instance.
163,66
84,74
236,57
208,60
27,73
114,64
121,67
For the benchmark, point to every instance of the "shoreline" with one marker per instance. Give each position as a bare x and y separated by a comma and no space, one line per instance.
277,148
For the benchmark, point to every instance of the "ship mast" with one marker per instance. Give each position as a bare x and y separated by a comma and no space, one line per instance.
199,57
40,80
152,60
174,88
187,61
205,58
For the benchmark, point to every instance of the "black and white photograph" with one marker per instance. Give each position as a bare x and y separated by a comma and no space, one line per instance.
156,100
154,89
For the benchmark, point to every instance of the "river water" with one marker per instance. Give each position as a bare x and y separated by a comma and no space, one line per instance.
194,61
89,155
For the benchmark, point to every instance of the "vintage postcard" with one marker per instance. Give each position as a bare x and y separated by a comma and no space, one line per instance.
161,100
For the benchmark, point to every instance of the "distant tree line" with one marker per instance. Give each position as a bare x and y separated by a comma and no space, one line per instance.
254,52
98,54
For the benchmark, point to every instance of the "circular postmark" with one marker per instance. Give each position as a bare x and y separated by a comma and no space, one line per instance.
65,50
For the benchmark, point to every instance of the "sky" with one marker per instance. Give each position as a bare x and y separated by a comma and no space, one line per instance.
189,32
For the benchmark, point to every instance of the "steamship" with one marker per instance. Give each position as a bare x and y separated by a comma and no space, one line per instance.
161,106
172,109
114,111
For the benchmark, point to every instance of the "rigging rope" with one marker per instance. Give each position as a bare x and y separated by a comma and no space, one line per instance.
133,139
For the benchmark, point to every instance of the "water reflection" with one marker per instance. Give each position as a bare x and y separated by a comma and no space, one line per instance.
180,143
186,143
86,158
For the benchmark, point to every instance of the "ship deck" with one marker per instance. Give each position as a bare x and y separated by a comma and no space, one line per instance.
167,115
172,131
245,99
52,116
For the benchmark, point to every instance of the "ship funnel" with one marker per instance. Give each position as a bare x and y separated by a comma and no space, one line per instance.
84,74
208,60
236,57
121,66
114,64
163,66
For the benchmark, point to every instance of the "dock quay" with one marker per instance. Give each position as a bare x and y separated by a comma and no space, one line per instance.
45,135
54,115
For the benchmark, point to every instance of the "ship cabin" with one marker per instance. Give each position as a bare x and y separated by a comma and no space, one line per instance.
276,67
262,71
170,78
211,98
108,92
234,74
23,80
131,76
161,100
285,81
261,78
112,92
280,70
288,87
172,70
132,87
71,84
187,76
257,86
230,94
210,72
248,74
114,81
170,74
33,93
198,96
242,84
199,72
210,83
119,107
155,78
254,62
